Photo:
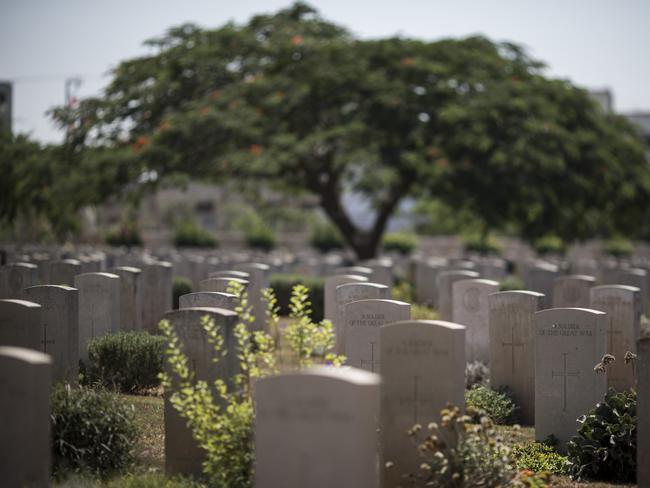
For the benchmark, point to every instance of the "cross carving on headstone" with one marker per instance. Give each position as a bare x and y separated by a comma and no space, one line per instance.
611,333
415,400
565,375
371,362
512,344
44,341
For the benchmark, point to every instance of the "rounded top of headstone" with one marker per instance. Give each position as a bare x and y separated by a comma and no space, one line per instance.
221,311
362,270
580,277
229,273
25,355
22,303
346,374
51,287
128,269
22,264
111,276
381,300
429,323
71,261
570,309
516,293
348,277
616,287
458,272
379,286
258,266
477,281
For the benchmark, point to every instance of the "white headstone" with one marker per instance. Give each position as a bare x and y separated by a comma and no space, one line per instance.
569,342
157,293
422,370
63,272
325,421
572,291
540,276
221,284
15,277
444,284
632,277
259,280
21,324
331,283
426,278
214,299
131,291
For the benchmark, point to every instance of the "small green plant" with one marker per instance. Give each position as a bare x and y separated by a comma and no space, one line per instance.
549,245
400,242
325,237
497,405
128,361
484,245
420,312
605,447
511,282
403,291
283,285
618,248
181,286
260,236
125,234
476,373
188,234
93,432
538,457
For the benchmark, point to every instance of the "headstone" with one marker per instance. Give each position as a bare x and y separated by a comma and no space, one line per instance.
622,304
382,271
339,408
631,277
493,269
259,280
331,283
221,284
362,322
213,299
350,292
471,309
540,277
15,277
643,412
355,270
21,324
60,328
422,370
99,307
63,272
569,342
444,284
25,377
157,293
130,297
230,273
182,454
512,346
572,291
426,277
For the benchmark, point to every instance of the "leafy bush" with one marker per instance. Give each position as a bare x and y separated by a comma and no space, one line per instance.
484,246
511,282
495,404
476,373
129,361
188,234
605,447
618,248
181,286
283,285
152,480
126,234
403,291
260,236
325,237
400,242
420,312
538,457
549,245
92,431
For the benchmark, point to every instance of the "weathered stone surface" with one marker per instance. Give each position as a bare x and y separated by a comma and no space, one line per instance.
15,277
643,413
131,291
157,293
331,283
444,284
208,299
572,291
21,324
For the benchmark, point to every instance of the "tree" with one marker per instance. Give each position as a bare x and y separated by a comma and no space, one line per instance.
296,102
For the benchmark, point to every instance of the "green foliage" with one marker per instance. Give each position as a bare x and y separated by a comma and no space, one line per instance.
482,244
188,234
126,234
420,312
283,285
538,457
549,244
457,454
618,248
605,447
180,286
495,404
403,291
260,236
92,432
435,217
476,373
325,237
151,480
400,242
511,282
128,361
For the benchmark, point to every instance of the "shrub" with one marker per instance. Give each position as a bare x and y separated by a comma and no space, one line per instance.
549,245
260,236
495,404
420,312
605,447
538,457
476,373
188,234
618,248
129,361
325,237
511,282
92,431
403,291
152,480
400,242
283,284
181,286
483,245
126,234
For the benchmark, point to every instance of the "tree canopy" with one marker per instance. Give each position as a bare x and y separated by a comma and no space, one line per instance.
297,102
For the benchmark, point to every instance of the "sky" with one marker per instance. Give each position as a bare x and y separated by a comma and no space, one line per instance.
597,44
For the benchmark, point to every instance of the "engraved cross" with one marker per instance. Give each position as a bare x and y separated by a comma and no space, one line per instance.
512,344
372,361
44,341
415,400
565,375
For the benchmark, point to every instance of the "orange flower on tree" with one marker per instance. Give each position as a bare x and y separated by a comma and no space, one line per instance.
205,110
255,149
141,142
408,61
297,40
